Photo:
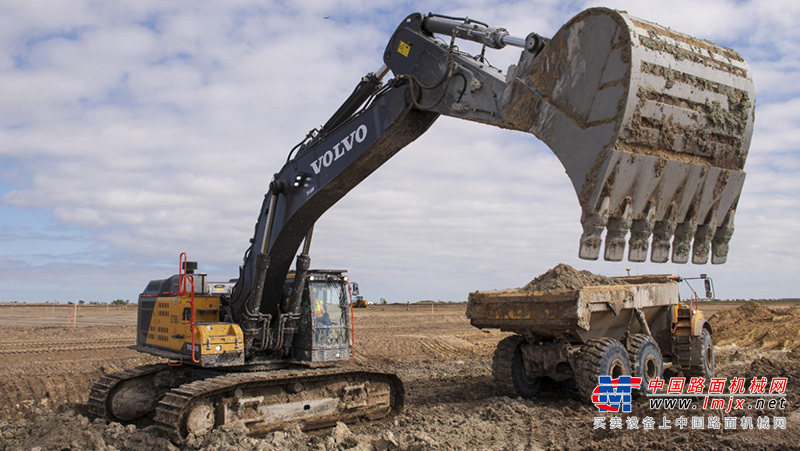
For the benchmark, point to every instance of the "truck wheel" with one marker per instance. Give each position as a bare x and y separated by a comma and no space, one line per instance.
646,360
599,357
706,366
509,370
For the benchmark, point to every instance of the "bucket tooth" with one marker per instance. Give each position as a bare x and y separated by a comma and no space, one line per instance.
593,226
681,244
662,235
637,111
719,245
617,229
641,230
702,240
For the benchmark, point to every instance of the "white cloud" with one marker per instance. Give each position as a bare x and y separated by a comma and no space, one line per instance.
776,127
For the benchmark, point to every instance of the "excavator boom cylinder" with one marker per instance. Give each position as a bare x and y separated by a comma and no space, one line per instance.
471,30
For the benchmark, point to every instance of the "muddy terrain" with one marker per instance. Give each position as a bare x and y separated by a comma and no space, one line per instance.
47,367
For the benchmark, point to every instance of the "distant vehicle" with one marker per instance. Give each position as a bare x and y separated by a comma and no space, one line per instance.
360,302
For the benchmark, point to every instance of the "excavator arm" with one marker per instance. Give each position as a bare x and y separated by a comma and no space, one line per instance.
652,127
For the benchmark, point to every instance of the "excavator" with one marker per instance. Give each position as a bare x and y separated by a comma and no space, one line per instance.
652,127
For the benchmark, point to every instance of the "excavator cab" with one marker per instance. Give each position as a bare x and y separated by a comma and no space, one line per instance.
324,327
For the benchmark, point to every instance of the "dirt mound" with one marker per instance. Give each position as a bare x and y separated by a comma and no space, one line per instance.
565,277
753,324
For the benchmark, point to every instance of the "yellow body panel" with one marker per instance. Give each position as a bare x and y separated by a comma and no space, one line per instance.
170,326
218,338
695,322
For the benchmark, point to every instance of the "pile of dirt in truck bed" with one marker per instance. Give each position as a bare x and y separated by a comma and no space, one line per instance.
565,277
753,324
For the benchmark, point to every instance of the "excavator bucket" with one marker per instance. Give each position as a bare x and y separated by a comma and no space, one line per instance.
653,128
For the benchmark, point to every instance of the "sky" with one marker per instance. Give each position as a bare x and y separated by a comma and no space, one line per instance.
132,131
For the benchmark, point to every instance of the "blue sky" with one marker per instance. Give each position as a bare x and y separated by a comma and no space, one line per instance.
133,131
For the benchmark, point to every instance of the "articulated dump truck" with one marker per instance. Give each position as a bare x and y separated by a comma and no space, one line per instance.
630,327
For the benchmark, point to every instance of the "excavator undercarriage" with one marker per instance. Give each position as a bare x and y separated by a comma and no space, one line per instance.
185,400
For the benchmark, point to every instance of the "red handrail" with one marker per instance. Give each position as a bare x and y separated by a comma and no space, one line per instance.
352,323
183,277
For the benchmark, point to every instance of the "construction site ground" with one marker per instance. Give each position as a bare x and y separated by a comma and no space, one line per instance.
47,367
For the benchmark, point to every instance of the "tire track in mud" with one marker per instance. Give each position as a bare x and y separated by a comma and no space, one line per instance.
27,347
436,346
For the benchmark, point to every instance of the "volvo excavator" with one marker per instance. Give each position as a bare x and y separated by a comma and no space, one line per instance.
652,126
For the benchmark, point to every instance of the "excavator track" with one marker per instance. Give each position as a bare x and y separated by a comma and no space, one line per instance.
99,396
127,395
268,401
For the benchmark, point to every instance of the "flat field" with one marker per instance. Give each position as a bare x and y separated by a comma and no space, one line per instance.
47,367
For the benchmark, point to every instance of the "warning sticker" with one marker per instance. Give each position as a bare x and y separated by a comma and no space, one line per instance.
403,48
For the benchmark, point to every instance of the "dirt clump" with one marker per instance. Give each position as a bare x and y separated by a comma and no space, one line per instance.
565,277
67,428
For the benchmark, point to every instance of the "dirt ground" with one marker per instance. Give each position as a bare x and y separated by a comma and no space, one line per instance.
47,367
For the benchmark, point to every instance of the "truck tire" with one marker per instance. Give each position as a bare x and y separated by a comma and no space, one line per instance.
508,369
599,357
646,360
706,367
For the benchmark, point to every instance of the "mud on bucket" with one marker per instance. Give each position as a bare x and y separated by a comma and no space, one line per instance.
653,128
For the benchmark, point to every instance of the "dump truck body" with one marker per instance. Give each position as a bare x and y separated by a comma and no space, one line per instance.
575,315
